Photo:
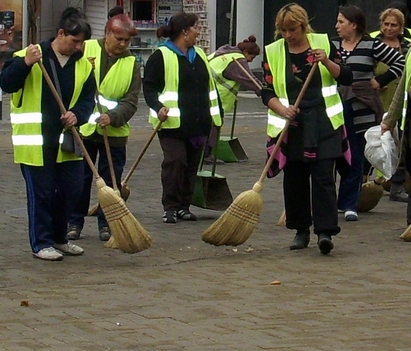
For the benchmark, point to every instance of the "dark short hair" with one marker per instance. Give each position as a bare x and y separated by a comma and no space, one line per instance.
73,22
116,10
179,22
355,15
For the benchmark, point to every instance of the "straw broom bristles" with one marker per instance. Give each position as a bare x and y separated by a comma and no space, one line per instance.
406,235
128,234
237,223
282,219
126,231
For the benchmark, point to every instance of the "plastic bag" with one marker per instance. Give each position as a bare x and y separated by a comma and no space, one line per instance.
382,150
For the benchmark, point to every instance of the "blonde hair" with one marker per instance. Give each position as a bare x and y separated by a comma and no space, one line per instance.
395,13
289,15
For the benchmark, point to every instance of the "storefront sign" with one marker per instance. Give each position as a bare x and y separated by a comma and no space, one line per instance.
10,28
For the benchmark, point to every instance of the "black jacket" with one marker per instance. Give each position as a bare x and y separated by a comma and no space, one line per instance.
193,91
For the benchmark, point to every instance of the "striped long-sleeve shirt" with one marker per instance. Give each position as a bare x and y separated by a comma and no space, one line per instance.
362,60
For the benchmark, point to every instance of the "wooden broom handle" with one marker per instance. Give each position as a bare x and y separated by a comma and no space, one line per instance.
63,111
287,123
107,146
258,85
135,164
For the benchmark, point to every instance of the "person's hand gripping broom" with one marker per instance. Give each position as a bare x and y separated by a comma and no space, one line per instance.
237,223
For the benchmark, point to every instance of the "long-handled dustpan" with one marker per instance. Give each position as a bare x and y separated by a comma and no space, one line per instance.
211,190
229,147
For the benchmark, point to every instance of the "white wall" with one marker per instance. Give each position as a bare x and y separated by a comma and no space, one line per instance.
250,15
211,17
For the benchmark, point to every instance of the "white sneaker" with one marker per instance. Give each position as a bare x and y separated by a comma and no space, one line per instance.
351,216
49,254
69,249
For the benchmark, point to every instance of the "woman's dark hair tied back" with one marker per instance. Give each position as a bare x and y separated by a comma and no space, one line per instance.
73,21
177,23
249,45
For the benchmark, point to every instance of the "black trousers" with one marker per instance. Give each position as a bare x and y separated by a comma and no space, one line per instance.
52,191
302,206
178,172
94,149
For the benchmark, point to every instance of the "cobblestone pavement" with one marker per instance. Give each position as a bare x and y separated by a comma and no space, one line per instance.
183,294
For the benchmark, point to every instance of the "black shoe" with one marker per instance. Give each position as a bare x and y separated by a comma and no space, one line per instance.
325,243
170,216
400,196
301,240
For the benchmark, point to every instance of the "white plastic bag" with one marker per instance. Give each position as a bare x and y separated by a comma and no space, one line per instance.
382,151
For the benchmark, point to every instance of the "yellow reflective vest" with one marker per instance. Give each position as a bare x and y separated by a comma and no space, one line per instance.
26,116
169,95
407,72
227,89
276,56
114,86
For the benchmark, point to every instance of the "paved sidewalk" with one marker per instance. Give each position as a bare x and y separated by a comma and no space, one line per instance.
183,294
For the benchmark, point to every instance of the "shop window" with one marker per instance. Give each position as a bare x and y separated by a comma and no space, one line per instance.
143,10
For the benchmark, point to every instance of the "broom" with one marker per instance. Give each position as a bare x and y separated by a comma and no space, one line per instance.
237,223
406,235
124,190
128,233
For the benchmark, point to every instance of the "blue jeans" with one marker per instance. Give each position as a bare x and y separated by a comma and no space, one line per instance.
350,185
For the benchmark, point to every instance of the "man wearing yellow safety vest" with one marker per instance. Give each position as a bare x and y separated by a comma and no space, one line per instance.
53,176
118,85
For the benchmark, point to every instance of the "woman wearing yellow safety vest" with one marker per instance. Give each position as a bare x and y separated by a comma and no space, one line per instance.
399,110
119,83
314,140
392,34
180,91
229,77
54,178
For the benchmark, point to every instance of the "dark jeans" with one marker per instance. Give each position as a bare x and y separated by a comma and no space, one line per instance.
350,185
52,191
322,201
118,155
178,172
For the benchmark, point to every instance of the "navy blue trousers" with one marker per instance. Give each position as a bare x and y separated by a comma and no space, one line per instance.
350,185
52,191
118,155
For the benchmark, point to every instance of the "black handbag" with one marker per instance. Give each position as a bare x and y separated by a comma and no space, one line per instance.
68,144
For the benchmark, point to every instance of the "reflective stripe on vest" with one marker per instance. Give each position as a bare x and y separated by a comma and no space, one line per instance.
169,96
26,116
228,89
407,72
277,62
111,89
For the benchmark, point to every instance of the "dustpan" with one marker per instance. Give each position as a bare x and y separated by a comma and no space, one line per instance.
229,147
211,190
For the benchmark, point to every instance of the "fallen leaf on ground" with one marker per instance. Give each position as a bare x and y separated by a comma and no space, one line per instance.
275,282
